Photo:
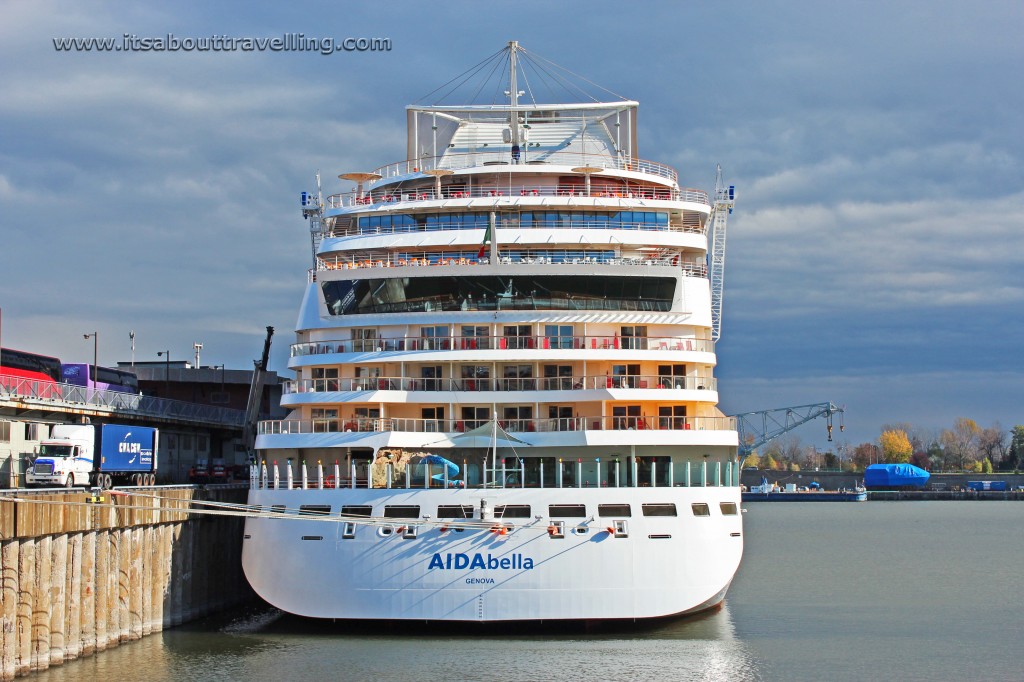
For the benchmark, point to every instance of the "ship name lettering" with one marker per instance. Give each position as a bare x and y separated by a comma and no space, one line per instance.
480,561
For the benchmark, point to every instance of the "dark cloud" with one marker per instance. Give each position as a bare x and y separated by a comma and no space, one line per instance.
874,256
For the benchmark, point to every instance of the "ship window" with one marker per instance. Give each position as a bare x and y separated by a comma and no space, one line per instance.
356,510
512,511
728,508
315,509
700,509
277,509
614,510
659,509
402,511
455,511
348,531
567,511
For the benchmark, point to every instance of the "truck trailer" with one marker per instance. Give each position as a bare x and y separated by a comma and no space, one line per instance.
101,456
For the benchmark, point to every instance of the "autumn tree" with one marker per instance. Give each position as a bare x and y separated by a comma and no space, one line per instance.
865,454
992,444
961,442
751,461
768,462
896,447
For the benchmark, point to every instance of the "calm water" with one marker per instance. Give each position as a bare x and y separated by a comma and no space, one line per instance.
837,591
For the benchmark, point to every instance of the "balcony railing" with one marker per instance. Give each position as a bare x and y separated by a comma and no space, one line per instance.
457,426
573,224
462,343
74,397
502,156
528,192
448,258
576,383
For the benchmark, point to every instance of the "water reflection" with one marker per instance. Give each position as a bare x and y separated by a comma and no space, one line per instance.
268,645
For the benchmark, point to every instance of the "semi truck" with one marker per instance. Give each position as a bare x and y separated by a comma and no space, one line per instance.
101,456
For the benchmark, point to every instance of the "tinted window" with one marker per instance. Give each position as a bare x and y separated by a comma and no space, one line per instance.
402,511
659,509
728,508
315,509
356,510
455,511
512,511
700,509
571,511
613,510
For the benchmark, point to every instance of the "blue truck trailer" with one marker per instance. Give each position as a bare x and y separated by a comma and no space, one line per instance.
107,455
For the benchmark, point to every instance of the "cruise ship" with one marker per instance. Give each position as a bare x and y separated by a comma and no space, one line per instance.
505,405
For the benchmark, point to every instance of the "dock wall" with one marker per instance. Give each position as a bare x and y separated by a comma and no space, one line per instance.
80,577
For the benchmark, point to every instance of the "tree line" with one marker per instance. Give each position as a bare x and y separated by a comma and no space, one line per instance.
964,447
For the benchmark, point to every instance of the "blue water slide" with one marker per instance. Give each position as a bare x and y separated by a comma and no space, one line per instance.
451,467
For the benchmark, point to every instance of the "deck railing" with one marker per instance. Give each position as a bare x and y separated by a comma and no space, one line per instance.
463,343
449,258
574,383
367,230
461,426
520,192
507,472
502,157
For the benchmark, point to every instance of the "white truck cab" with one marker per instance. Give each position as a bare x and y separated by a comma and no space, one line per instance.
65,458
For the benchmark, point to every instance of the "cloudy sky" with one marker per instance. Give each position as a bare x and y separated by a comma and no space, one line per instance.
874,258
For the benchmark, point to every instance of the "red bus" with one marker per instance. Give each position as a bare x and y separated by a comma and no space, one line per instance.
29,374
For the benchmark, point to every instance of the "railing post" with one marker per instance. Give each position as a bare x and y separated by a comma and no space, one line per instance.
579,472
541,463
686,478
671,474
636,472
277,477
352,480
263,474
718,474
337,475
598,461
654,473
616,473
561,466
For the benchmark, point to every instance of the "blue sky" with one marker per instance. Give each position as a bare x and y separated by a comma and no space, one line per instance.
874,258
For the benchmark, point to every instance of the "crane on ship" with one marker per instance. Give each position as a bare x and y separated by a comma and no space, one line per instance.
725,199
757,428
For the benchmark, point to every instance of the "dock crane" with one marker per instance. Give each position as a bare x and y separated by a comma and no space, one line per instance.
252,407
766,425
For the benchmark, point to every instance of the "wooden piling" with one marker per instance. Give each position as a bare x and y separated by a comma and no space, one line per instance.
9,564
87,590
58,589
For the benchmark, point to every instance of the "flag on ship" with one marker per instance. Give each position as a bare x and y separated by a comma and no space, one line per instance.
487,240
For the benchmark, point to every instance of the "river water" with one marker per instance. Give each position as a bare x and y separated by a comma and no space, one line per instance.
826,591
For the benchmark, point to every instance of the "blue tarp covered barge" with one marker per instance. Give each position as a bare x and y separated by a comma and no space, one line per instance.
895,476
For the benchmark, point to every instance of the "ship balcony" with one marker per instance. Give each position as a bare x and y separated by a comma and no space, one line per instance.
523,194
540,347
554,389
629,428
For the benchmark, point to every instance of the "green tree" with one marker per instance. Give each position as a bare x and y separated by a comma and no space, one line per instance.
986,466
768,462
1015,453
896,446
752,460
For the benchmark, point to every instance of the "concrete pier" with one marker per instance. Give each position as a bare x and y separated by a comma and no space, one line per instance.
79,577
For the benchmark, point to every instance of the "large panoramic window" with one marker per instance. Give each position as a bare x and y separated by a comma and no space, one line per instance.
534,292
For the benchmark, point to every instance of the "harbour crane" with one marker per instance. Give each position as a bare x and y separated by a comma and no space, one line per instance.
757,428
252,407
725,199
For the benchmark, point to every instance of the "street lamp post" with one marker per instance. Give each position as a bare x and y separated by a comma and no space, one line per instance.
95,336
167,370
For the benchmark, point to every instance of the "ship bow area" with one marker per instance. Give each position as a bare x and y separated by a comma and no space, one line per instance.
536,568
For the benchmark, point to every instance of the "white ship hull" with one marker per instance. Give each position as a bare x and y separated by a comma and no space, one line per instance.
660,566
517,322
